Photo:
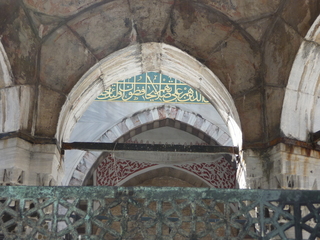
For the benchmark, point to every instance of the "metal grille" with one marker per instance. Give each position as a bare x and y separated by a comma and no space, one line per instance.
157,213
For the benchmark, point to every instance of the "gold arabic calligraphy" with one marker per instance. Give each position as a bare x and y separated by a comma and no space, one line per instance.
152,87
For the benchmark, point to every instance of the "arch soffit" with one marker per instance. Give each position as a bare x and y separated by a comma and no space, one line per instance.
183,120
303,88
147,57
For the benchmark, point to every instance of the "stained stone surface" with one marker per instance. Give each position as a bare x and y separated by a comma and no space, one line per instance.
7,9
281,48
302,19
196,30
64,59
245,43
49,102
204,29
44,24
239,10
249,107
236,62
21,47
143,11
273,111
191,30
258,28
61,8
105,29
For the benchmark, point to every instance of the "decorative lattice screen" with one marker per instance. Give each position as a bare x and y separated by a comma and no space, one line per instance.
157,213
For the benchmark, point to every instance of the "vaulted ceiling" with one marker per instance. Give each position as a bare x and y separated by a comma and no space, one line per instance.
250,45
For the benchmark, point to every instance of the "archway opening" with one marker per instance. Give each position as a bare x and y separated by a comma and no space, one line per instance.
195,104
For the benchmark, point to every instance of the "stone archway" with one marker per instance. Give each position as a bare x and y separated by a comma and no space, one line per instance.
136,59
302,92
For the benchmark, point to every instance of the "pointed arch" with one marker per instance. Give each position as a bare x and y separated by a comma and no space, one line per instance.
147,57
303,89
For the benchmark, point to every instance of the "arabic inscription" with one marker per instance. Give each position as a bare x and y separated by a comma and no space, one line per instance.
151,87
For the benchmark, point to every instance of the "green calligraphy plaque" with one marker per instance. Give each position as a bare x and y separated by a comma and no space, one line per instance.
152,87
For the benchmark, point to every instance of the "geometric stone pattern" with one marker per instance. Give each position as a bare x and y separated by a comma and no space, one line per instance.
157,213
112,170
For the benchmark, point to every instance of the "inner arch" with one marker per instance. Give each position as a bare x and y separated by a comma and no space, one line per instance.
87,162
133,61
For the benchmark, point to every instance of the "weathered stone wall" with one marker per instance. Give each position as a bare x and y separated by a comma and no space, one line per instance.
250,45
283,166
23,163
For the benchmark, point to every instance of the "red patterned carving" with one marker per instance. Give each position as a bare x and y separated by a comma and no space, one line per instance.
111,171
220,174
